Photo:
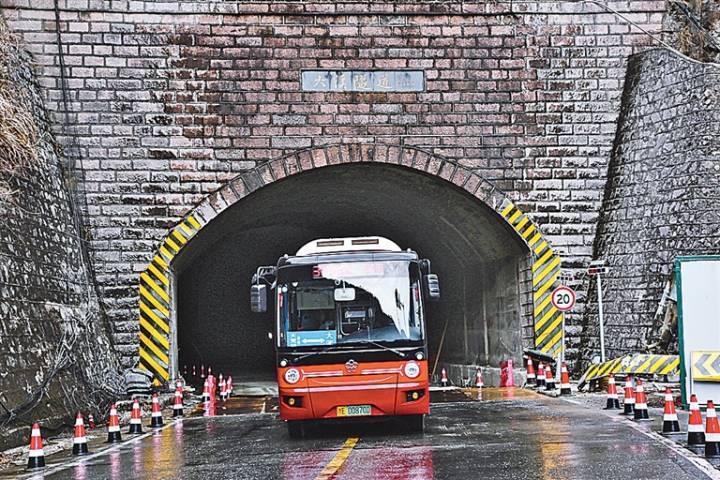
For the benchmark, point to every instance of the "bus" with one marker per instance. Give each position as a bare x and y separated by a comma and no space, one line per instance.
350,331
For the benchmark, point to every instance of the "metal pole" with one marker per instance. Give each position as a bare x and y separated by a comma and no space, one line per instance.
600,313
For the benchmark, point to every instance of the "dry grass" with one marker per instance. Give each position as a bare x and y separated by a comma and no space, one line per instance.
19,133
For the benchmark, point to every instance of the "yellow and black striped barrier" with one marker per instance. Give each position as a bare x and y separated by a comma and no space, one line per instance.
705,366
638,364
156,303
547,320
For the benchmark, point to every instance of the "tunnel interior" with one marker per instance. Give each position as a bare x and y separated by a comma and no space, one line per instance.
481,318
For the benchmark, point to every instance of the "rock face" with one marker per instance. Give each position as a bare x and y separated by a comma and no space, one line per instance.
55,353
663,193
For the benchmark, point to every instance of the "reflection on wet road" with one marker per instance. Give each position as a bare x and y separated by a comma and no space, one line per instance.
513,435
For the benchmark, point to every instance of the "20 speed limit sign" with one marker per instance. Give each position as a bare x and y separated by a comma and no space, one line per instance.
563,298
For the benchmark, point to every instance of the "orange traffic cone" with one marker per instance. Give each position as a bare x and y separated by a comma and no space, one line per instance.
178,404
135,418
612,396
712,432
628,397
549,379
696,432
113,427
564,380
212,383
540,379
530,373
223,391
202,370
229,387
641,410
206,392
36,456
79,439
443,378
156,419
194,372
670,418
478,378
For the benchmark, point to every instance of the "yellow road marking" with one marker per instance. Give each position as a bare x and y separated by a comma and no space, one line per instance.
338,460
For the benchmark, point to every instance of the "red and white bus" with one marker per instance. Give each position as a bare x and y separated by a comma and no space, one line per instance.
350,330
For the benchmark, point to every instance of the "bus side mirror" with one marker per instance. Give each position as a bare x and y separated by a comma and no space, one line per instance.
258,298
432,286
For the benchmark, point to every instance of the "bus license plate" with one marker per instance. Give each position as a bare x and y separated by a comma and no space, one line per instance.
353,410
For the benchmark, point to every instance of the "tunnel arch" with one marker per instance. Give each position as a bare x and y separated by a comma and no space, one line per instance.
160,289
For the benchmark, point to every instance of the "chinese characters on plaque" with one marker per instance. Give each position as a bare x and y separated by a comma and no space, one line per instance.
363,81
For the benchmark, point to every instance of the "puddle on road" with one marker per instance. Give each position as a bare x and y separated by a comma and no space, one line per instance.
237,405
489,394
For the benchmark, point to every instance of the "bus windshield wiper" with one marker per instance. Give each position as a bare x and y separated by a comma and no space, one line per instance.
384,347
311,354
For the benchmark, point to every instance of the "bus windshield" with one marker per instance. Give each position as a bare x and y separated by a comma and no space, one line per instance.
349,303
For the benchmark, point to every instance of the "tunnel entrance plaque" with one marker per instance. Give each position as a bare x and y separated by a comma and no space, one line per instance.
363,80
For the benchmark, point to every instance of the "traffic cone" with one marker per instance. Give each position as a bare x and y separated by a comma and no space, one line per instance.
443,377
670,418
91,422
202,370
194,372
540,379
36,456
712,431
113,427
212,383
156,419
206,392
612,396
641,410
530,373
549,379
629,397
223,392
135,418
696,432
565,380
185,370
478,378
178,404
229,387
79,439
509,374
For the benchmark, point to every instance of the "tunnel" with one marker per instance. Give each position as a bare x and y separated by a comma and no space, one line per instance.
481,319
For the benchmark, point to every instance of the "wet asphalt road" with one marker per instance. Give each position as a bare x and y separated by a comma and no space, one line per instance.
529,437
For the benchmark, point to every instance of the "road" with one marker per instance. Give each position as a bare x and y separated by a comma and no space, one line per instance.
509,436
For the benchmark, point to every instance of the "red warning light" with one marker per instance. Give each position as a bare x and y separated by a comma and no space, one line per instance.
317,272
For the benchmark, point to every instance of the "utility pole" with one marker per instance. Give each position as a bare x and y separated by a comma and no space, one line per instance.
598,268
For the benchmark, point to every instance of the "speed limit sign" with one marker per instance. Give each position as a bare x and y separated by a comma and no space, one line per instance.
563,298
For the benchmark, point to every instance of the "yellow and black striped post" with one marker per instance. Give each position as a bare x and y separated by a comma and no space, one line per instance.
156,302
547,320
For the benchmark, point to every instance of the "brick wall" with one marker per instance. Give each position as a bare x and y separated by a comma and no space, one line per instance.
168,100
54,341
662,198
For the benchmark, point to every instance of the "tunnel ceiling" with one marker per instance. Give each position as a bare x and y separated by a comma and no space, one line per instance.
465,240
415,210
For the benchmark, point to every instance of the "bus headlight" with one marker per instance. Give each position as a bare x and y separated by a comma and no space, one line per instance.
292,375
412,370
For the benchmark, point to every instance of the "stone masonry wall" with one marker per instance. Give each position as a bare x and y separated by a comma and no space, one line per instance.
168,100
55,349
663,194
